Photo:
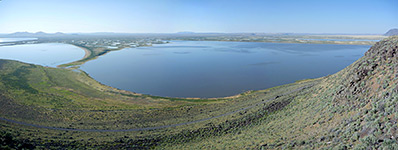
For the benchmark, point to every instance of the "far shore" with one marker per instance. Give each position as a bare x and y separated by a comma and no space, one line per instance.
93,52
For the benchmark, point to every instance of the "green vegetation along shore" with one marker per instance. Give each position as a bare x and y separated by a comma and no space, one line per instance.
90,54
56,108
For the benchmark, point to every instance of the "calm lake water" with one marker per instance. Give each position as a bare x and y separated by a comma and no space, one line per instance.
16,39
48,54
216,69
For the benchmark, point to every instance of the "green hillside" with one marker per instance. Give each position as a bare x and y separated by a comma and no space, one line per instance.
55,108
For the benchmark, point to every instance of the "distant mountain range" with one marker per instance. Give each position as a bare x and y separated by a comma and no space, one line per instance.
391,32
59,34
37,34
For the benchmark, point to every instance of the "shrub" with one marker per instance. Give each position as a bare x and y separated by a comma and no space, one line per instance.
389,144
369,140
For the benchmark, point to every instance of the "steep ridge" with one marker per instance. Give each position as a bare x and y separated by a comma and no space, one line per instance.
368,91
357,107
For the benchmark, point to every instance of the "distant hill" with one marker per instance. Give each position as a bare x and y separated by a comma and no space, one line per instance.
37,34
20,34
391,32
185,32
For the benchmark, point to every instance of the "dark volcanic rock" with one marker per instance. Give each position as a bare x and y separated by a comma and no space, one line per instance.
378,56
384,50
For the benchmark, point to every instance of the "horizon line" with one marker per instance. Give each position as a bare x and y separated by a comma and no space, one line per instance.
192,32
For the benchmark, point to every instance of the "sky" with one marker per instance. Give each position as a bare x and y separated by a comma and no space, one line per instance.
225,16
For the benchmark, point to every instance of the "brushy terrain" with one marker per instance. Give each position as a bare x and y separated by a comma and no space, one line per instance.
355,108
67,99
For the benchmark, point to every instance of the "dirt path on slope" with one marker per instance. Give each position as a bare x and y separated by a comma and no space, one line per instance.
157,127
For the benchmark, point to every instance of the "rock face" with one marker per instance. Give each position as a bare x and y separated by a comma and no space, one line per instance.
385,50
391,32
379,61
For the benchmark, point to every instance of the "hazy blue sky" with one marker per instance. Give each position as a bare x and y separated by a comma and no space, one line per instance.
167,16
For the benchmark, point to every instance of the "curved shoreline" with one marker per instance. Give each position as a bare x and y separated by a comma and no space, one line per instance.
90,54
86,51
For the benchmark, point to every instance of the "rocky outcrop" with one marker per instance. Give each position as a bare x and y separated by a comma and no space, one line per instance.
361,76
385,50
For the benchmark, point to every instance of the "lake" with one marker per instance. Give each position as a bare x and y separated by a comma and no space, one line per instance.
47,54
370,40
16,39
216,69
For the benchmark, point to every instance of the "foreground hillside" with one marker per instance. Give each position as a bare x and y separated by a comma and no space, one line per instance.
355,108
60,108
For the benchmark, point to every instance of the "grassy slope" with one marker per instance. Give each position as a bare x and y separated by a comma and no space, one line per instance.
354,108
57,97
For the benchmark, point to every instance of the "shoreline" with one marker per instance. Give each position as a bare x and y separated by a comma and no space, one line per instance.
132,93
89,55
89,52
296,42
86,51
